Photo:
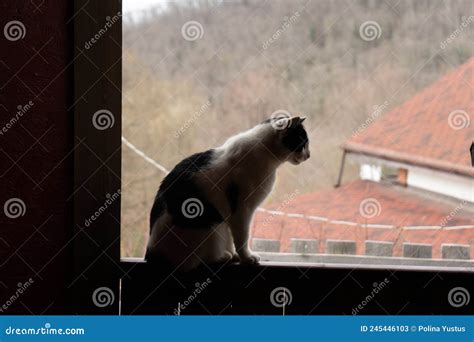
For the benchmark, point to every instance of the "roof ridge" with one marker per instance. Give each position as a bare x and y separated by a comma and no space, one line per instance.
429,128
408,158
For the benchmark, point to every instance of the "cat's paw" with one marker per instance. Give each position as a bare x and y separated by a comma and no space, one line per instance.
228,257
252,259
235,257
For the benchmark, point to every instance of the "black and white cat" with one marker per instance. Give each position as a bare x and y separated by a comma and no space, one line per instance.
204,206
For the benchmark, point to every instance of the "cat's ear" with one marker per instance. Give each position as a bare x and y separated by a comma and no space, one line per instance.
283,123
296,121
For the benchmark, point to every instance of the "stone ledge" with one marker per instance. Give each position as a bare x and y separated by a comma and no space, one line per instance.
346,247
265,245
417,250
454,251
304,246
378,248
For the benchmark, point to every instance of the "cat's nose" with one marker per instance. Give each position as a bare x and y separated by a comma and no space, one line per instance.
307,155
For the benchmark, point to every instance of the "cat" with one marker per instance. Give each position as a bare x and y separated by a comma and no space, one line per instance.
204,206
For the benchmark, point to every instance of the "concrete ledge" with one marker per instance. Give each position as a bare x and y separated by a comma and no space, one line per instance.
265,245
304,246
340,247
378,248
325,260
346,261
417,250
453,251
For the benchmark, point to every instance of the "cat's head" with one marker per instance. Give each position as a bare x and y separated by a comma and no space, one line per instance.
293,137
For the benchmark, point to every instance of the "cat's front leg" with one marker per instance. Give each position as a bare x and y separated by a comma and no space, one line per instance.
239,224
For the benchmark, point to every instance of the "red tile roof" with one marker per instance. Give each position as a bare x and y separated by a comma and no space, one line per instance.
434,128
393,205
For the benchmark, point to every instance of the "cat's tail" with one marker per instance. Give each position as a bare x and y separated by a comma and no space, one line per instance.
156,230
158,211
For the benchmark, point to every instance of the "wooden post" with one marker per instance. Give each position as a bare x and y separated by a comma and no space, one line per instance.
341,170
97,156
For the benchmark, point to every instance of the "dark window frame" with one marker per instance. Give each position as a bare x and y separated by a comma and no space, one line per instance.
97,156
97,262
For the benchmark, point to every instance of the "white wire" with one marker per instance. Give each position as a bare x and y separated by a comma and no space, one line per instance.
144,156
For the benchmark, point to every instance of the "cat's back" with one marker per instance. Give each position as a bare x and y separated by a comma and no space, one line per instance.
180,188
187,168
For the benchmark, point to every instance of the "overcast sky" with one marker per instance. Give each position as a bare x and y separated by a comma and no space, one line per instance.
137,9
138,5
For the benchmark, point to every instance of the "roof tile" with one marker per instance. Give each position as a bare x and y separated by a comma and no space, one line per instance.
419,131
394,205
